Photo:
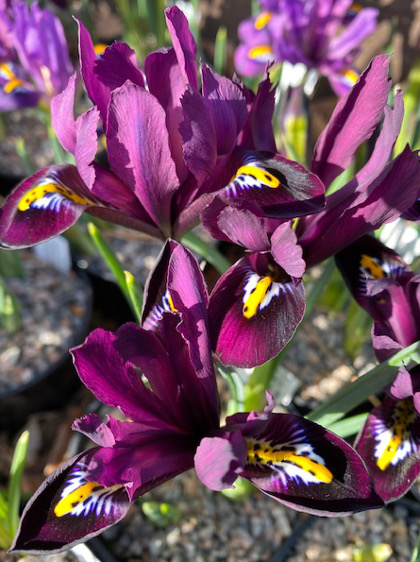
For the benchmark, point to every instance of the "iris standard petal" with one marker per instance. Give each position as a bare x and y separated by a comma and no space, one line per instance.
184,44
100,364
353,121
254,311
69,508
138,150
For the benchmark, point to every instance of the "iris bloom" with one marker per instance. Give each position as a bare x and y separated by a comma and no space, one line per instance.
174,426
257,305
381,190
319,34
383,284
171,148
34,57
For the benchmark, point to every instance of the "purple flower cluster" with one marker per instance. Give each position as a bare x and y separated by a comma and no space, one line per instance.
180,154
34,57
320,34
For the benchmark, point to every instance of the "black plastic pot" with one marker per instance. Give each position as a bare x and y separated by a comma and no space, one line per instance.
49,389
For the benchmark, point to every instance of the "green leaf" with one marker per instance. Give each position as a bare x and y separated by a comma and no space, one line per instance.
220,50
348,426
136,295
358,391
11,265
16,470
241,491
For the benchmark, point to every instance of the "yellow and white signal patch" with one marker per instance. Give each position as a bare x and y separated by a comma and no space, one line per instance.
395,442
12,81
259,291
49,194
297,461
262,20
80,497
251,176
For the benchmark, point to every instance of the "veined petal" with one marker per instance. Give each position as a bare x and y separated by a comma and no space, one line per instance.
184,44
282,188
254,310
286,251
240,222
100,364
117,65
308,468
62,118
220,460
389,443
69,508
43,206
138,150
353,121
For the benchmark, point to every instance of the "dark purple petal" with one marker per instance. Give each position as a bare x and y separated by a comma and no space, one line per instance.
117,65
389,443
138,150
353,121
362,211
97,91
258,131
184,44
227,106
220,460
240,223
69,508
306,467
43,206
169,93
117,383
198,135
142,457
282,188
254,311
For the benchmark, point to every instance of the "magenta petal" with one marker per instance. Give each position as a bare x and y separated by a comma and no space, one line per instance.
51,523
93,427
62,119
117,65
389,443
252,316
97,92
228,108
198,135
353,121
43,206
219,460
286,251
241,224
138,150
184,44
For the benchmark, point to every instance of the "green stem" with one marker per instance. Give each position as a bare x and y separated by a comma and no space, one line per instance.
236,388
415,557
359,390
209,253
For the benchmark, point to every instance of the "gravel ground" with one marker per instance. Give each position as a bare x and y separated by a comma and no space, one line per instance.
53,303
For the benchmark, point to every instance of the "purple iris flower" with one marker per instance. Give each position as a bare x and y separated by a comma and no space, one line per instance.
256,306
35,61
171,148
381,190
317,33
383,284
174,426
389,442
